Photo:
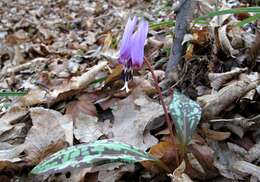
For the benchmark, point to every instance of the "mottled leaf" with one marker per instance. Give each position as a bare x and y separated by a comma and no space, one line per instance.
90,155
186,115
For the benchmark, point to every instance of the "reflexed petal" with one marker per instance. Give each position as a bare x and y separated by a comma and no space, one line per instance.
137,44
125,42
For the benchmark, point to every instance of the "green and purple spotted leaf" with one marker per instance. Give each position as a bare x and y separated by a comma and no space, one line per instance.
186,115
91,155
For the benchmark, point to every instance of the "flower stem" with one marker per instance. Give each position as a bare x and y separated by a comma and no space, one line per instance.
167,118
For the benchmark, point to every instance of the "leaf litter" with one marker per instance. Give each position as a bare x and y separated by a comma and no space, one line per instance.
64,54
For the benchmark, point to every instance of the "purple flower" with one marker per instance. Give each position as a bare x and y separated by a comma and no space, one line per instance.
132,48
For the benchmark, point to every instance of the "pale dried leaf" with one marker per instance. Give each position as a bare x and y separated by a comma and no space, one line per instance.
50,132
253,153
245,168
218,79
10,152
129,126
86,128
178,174
225,43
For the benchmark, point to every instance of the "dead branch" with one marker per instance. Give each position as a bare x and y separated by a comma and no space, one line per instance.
183,18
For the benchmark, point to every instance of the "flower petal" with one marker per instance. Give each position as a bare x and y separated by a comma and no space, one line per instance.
125,42
137,44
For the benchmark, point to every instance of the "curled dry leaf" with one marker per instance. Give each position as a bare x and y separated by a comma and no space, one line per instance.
215,135
217,80
205,158
50,132
129,127
218,21
214,104
236,36
178,174
225,43
166,152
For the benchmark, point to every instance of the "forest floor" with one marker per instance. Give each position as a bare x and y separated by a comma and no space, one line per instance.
60,86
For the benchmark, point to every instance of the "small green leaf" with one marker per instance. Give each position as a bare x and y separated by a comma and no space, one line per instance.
186,115
12,94
162,24
231,11
90,155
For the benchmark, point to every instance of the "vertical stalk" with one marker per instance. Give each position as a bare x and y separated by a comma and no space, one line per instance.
167,118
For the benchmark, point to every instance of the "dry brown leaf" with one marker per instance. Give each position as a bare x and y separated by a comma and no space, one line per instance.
75,85
12,126
87,128
166,152
29,64
33,97
204,156
217,80
225,43
236,36
200,36
218,21
178,174
115,74
10,153
83,104
215,135
130,126
254,49
189,52
50,132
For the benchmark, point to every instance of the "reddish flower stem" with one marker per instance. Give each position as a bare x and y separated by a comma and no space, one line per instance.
167,118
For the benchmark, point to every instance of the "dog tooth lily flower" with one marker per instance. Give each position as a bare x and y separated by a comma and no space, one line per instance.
132,48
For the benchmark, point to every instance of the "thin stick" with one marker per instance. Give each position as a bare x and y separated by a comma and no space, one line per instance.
167,118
